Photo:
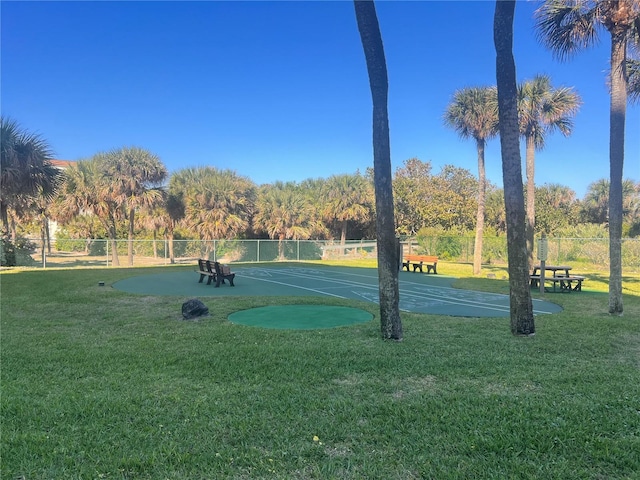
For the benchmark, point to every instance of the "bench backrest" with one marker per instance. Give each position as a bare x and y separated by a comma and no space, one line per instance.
421,258
220,270
210,267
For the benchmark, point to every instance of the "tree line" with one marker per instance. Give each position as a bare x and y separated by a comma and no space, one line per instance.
128,193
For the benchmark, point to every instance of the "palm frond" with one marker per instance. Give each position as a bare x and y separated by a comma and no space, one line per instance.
567,26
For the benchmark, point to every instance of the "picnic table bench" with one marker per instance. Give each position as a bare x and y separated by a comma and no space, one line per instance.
567,283
215,271
418,261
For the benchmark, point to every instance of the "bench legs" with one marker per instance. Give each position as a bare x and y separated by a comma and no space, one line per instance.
564,285
221,279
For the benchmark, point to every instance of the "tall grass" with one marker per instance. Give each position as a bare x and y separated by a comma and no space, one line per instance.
98,383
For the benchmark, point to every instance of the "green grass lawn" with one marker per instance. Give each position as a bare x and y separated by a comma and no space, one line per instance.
101,384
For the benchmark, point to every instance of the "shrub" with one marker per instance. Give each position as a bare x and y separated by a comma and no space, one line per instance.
18,254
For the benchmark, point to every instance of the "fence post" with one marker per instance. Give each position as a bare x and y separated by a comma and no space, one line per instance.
258,252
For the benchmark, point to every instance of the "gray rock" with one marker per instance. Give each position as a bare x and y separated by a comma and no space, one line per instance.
194,308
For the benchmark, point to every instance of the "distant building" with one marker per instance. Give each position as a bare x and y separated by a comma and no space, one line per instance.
62,164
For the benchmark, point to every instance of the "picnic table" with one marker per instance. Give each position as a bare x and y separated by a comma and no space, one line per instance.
566,281
554,269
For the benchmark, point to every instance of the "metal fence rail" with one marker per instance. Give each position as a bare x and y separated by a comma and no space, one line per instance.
98,252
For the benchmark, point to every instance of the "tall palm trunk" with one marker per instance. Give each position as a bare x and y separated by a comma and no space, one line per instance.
522,322
47,233
390,323
616,161
13,229
172,256
132,214
343,235
43,237
155,243
112,233
531,196
4,214
281,239
482,189
115,260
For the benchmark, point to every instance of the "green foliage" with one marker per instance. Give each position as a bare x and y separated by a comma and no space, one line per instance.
18,254
435,241
556,208
494,249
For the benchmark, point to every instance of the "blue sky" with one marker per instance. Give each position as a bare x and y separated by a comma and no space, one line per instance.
279,90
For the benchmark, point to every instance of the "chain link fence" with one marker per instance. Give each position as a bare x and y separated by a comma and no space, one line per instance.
589,252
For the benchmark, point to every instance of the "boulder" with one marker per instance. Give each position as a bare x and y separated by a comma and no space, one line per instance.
194,308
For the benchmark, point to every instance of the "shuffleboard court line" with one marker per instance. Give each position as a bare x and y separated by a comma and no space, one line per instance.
298,286
459,294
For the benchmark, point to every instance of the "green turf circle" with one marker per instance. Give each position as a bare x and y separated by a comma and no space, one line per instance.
300,317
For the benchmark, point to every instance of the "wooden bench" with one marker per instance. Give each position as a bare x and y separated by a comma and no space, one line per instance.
205,270
419,261
564,282
223,272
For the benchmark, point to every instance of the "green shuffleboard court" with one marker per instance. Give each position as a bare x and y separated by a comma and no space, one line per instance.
419,293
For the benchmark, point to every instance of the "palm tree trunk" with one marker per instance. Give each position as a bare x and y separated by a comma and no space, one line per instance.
531,196
115,260
482,188
5,218
616,161
112,232
43,239
522,322
132,214
343,236
155,244
369,29
172,257
13,229
281,247
47,233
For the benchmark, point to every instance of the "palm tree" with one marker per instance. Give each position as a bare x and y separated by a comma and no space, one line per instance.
522,321
558,208
346,198
596,201
135,176
566,26
174,207
217,203
86,190
542,109
473,113
595,205
388,261
26,172
283,212
157,220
